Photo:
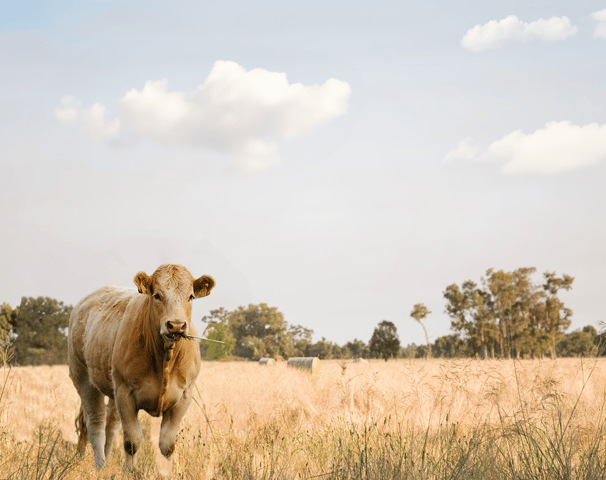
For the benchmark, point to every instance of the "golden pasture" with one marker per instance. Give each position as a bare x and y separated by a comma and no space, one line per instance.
397,419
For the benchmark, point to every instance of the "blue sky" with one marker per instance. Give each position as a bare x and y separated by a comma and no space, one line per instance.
339,160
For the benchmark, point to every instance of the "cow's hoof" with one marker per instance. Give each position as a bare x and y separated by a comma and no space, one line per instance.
167,452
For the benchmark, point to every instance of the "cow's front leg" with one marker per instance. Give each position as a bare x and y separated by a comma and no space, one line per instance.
171,420
125,402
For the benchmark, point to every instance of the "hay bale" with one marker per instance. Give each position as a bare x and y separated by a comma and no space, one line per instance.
267,362
311,364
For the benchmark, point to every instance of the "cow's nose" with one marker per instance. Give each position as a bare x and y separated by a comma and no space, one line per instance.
176,326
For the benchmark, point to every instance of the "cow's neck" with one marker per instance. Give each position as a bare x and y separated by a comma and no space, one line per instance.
164,355
170,353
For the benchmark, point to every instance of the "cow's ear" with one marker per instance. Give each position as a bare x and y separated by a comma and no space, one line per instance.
203,286
143,283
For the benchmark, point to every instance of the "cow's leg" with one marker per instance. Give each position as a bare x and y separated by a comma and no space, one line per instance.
93,404
130,425
112,426
170,424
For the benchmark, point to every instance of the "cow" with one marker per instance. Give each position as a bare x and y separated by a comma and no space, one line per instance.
132,347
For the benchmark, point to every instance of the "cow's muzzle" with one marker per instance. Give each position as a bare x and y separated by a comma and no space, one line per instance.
174,329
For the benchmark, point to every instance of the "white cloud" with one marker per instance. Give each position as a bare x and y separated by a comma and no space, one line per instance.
233,111
495,34
556,148
94,126
600,28
465,151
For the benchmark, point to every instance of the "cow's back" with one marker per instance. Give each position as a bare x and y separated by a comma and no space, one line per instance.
93,326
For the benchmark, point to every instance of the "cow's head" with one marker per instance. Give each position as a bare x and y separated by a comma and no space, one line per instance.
171,290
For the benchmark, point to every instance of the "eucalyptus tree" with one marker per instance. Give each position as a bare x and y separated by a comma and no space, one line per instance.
472,314
419,313
555,318
512,297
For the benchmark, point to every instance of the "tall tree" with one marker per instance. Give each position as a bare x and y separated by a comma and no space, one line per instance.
500,285
419,312
486,329
39,328
459,307
527,337
472,315
555,317
384,342
512,297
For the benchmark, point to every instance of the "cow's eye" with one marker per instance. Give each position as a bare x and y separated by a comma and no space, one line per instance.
157,296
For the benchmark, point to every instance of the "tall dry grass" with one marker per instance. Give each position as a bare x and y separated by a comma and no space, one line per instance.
401,419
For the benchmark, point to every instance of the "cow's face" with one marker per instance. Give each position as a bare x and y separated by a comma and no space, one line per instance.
171,289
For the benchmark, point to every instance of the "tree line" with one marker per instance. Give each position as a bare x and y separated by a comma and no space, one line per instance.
260,331
508,315
505,315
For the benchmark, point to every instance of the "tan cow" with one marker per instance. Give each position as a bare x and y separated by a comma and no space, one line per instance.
128,346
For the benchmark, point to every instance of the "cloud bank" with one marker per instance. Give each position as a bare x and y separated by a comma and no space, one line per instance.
233,111
495,34
556,148
600,28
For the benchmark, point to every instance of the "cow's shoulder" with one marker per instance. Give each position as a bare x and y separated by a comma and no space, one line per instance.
114,301
134,343
106,305
104,296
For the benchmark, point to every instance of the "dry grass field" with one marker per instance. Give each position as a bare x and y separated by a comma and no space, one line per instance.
408,419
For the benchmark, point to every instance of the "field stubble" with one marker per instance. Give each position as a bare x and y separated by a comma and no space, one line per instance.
412,419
